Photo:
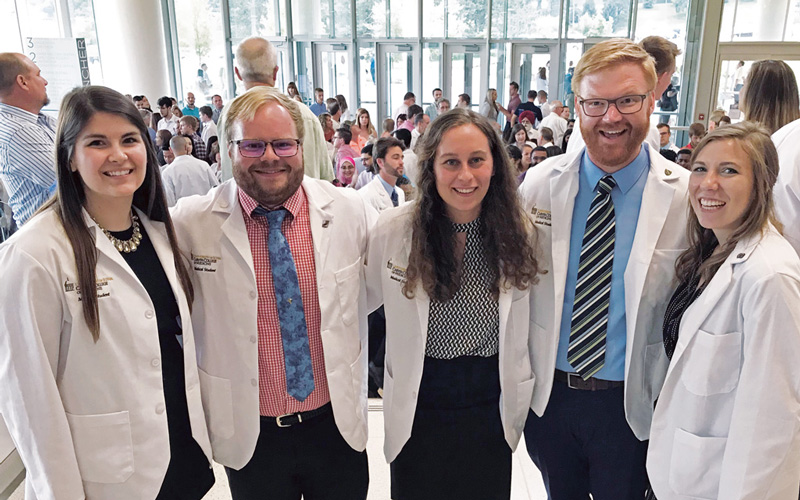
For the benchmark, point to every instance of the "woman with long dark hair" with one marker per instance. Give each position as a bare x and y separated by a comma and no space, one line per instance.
453,271
726,422
98,378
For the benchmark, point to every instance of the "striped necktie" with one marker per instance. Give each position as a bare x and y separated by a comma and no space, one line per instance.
587,337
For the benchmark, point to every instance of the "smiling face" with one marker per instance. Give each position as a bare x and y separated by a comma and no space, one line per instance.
521,136
613,140
463,167
270,179
721,187
347,169
111,158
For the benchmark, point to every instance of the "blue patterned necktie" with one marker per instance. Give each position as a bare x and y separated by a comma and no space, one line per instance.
587,338
395,201
294,333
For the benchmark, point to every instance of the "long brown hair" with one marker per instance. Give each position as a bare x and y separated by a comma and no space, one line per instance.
77,109
507,234
755,141
769,95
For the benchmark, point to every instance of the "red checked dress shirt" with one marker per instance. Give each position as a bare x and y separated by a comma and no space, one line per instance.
274,400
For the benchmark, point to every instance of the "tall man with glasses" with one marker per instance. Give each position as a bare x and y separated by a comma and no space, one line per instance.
611,221
280,312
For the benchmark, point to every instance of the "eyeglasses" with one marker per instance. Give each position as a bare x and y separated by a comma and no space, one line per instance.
254,148
626,105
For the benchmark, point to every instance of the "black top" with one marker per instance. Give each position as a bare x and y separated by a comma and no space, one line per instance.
189,475
529,106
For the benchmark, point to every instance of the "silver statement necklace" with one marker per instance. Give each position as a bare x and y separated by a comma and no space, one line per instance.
127,246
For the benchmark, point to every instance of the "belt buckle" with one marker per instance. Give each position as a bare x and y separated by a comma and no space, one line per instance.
282,425
570,377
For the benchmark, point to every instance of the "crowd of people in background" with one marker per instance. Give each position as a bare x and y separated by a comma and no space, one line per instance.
472,268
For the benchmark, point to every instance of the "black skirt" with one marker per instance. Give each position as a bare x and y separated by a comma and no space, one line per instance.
457,447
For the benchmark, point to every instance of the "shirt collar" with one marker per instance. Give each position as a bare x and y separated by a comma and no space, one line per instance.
625,177
388,187
293,204
19,113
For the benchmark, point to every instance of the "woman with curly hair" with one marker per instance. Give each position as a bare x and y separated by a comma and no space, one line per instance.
453,271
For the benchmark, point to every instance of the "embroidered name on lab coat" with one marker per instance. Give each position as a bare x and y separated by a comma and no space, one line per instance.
205,263
396,273
103,287
541,217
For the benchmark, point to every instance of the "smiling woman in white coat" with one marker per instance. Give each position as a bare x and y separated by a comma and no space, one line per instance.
727,423
98,379
453,271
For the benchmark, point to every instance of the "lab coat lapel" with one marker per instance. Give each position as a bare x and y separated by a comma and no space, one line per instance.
233,229
656,200
563,188
321,219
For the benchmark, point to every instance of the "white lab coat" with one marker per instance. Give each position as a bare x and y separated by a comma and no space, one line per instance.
186,176
407,330
376,196
576,141
548,193
557,124
787,187
88,418
727,424
212,232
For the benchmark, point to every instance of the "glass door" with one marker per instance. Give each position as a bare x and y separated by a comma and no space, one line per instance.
465,72
398,73
531,68
334,71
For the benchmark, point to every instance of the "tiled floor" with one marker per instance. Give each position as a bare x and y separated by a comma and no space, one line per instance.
526,483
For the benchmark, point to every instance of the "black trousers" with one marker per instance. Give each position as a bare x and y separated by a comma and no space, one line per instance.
458,454
583,445
310,459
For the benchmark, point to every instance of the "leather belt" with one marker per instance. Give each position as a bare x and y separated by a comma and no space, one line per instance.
574,381
291,419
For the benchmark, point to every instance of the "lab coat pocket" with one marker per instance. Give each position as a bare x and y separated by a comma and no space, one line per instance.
218,405
695,465
358,373
347,286
712,363
525,396
103,446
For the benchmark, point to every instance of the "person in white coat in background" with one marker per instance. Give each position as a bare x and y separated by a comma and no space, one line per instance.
453,271
98,376
280,312
770,97
612,220
727,423
382,192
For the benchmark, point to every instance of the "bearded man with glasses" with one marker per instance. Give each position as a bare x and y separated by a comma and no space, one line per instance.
611,220
280,312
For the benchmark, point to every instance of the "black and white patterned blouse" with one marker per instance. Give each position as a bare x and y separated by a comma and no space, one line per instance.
468,324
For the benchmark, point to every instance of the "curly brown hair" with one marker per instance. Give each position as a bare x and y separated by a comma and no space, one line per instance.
507,234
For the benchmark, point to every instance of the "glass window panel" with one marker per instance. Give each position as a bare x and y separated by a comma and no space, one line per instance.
465,71
305,84
265,18
793,23
82,22
405,14
312,17
38,19
466,18
201,48
431,73
341,19
368,97
371,18
335,71
499,10
598,18
9,28
666,19
546,13
399,76
726,28
730,85
433,12
760,21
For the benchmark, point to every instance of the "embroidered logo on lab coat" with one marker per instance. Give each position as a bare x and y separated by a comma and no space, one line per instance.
541,216
103,287
396,273
205,263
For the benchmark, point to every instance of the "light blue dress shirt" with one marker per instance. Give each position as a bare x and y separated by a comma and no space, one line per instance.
318,108
388,187
627,198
